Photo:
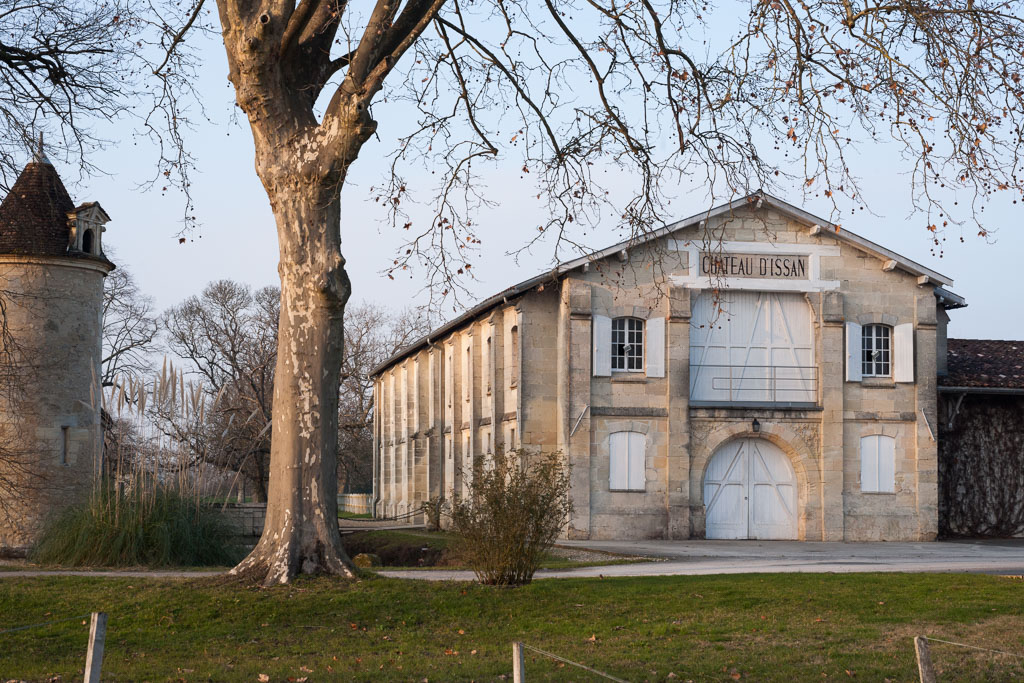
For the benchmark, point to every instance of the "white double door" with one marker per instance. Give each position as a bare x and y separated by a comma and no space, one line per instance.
750,492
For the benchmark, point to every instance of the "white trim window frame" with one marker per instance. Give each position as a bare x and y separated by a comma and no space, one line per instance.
876,350
877,464
627,461
627,344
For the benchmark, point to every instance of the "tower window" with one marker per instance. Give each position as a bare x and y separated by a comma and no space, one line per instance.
87,240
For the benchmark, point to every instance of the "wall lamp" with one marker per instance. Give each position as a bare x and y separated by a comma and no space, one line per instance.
755,425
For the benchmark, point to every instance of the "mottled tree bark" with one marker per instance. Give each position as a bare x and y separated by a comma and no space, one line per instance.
302,163
301,529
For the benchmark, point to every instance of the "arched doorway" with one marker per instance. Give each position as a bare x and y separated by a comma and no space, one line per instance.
750,491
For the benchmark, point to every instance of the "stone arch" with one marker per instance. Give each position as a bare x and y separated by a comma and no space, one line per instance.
810,518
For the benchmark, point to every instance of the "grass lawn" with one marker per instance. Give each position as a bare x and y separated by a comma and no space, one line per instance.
785,627
345,514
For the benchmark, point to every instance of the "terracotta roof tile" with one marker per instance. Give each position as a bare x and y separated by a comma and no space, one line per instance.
991,363
33,216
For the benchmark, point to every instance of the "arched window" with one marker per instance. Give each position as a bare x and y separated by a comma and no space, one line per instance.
878,463
87,240
627,468
876,351
628,344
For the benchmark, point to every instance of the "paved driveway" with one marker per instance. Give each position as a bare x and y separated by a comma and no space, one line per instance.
741,557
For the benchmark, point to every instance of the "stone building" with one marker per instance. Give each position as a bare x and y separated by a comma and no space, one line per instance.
51,286
750,372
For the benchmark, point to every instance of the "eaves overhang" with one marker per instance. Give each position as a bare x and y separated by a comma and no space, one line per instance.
757,200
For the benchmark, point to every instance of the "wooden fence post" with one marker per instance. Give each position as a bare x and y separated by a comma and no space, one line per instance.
518,663
924,660
94,656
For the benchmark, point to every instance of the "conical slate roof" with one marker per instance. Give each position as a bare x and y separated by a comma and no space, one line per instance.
34,215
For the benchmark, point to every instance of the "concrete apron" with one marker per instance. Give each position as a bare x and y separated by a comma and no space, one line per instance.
681,558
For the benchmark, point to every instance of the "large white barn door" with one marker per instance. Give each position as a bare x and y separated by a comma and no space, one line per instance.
750,492
754,347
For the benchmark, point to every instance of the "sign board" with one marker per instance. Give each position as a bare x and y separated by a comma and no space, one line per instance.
767,266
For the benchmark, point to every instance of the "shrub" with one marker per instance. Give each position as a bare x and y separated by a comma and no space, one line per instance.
517,504
149,526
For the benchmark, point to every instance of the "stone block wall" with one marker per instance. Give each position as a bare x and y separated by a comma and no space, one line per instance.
50,435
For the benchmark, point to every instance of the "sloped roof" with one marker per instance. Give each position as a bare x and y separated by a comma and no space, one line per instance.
34,215
756,199
984,363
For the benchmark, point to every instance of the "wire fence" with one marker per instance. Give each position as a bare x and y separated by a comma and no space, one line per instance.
559,658
974,647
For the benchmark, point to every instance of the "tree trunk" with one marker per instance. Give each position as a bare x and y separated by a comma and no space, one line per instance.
300,535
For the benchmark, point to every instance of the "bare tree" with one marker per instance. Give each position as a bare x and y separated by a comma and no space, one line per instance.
60,64
568,93
129,327
372,335
228,334
578,87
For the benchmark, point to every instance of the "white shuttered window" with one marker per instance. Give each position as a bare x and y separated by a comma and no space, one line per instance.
655,347
627,471
903,353
628,344
878,464
602,331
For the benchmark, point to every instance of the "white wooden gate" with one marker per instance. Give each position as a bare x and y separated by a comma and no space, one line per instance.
752,347
750,492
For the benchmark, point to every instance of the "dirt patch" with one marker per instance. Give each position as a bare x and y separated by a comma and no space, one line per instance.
575,554
399,550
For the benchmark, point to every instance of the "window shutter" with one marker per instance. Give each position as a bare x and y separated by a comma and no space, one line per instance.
637,462
854,351
602,331
886,464
903,353
618,461
655,340
869,463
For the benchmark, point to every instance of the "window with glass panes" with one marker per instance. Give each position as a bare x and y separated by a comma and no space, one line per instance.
876,351
628,344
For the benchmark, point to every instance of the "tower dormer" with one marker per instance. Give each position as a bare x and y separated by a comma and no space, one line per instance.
87,227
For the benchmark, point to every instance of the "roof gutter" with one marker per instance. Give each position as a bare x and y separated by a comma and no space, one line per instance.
1007,391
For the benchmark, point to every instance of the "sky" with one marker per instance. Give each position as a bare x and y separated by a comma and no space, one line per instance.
236,237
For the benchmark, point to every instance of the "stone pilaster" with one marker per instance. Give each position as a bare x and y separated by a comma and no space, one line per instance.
830,361
926,344
574,377
677,357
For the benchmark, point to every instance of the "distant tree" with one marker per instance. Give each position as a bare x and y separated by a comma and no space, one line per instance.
129,327
228,336
372,335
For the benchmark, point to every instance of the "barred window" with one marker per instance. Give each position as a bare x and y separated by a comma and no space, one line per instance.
876,351
628,344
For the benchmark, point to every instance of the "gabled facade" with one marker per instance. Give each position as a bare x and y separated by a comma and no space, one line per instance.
749,372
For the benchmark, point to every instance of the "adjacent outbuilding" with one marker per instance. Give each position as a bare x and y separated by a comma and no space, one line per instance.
752,371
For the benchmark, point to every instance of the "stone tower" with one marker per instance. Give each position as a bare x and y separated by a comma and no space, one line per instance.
51,301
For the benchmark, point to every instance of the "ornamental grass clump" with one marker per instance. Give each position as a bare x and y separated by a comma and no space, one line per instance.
149,505
147,526
516,505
